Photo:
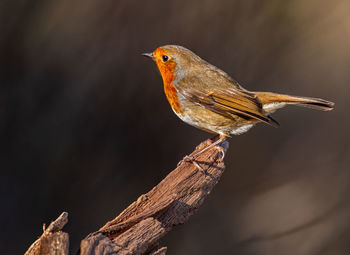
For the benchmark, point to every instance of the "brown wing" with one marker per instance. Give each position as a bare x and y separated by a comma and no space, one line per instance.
226,103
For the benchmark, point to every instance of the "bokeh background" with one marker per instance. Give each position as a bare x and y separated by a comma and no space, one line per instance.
85,126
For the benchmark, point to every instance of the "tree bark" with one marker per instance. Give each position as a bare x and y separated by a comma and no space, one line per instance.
139,228
53,240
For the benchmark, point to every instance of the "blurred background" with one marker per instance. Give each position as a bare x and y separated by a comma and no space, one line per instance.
85,126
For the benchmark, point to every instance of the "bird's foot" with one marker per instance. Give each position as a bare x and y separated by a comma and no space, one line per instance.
222,152
193,161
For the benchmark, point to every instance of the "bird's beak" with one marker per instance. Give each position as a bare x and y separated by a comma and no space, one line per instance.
149,55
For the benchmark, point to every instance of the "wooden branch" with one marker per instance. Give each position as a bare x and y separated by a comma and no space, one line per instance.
139,227
53,240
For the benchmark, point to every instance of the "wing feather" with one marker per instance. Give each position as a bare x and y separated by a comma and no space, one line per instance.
228,103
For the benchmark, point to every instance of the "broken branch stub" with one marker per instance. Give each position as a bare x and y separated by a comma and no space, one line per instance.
138,229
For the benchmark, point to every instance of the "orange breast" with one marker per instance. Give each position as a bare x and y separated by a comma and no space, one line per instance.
171,95
167,71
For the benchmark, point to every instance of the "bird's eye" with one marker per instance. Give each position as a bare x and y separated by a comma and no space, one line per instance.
165,58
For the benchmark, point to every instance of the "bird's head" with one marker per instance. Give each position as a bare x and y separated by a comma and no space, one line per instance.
173,61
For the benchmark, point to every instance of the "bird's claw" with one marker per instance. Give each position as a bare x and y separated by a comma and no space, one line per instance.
199,167
185,159
193,161
188,158
222,153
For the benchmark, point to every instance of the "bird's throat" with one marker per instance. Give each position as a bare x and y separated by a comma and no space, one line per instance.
171,95
169,76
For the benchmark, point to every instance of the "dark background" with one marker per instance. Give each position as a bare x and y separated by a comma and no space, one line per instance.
85,126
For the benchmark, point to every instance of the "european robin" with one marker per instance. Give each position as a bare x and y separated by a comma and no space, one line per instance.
206,97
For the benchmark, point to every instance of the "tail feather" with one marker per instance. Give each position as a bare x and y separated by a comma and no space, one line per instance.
273,101
273,122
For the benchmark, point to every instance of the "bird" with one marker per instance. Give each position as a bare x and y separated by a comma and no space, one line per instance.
207,98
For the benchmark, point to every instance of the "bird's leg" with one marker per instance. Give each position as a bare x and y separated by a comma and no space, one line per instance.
222,149
216,140
191,158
